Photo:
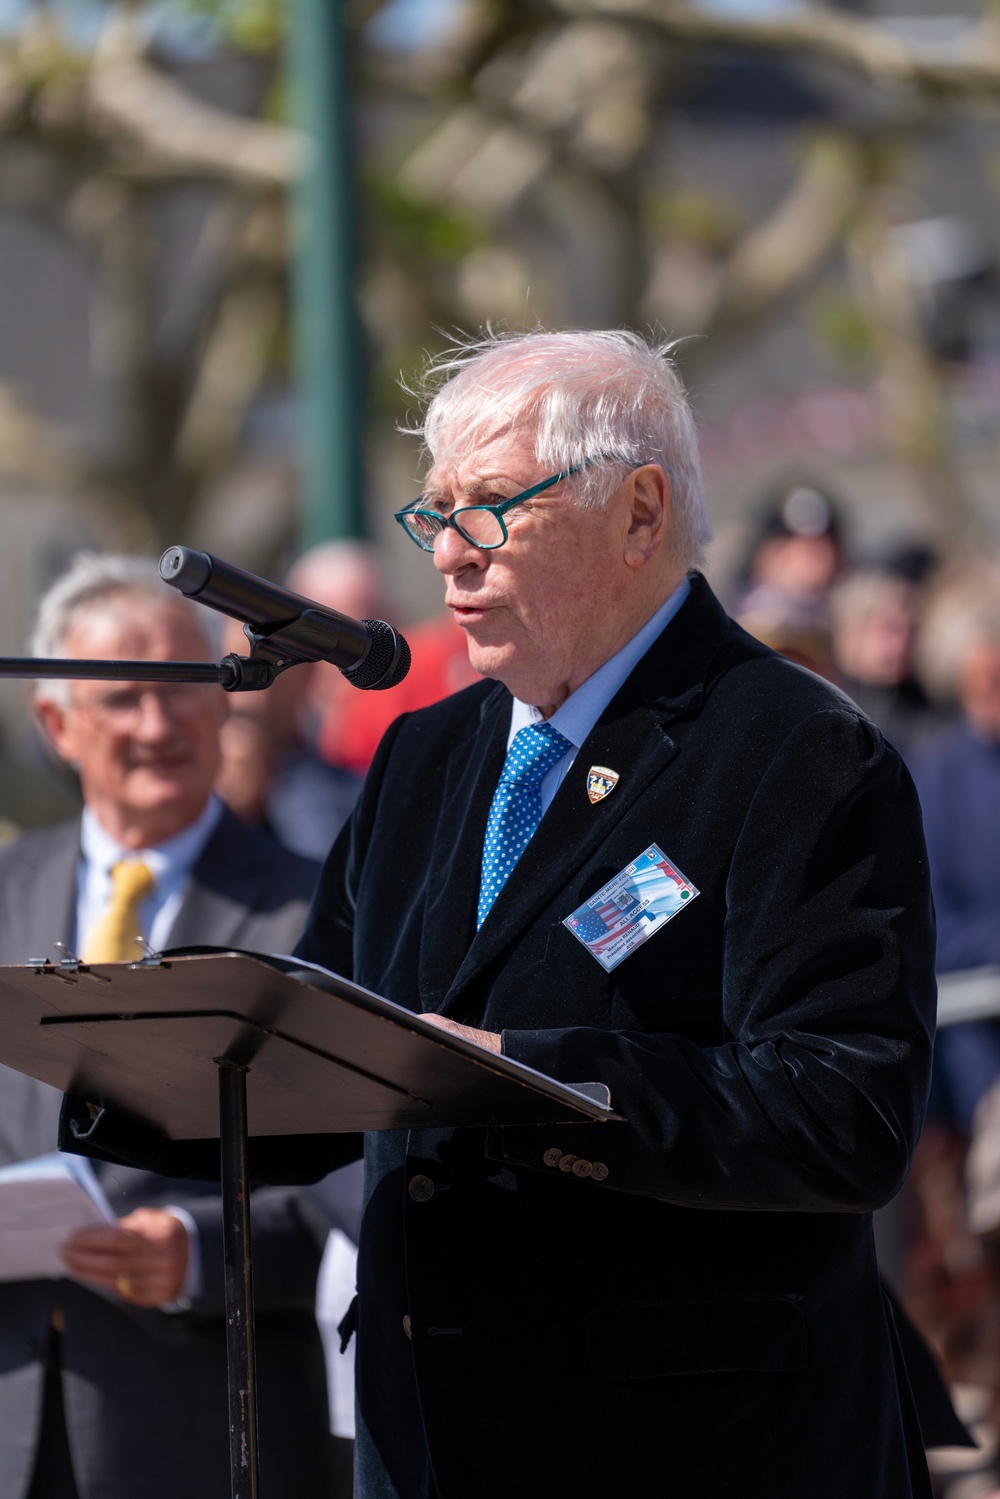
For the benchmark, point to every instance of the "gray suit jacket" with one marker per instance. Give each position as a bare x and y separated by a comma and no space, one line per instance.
145,1390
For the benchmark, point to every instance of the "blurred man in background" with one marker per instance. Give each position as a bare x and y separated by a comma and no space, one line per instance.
874,616
347,576
959,784
270,774
792,564
114,1381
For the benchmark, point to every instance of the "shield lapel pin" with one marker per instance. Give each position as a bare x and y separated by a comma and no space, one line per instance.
600,782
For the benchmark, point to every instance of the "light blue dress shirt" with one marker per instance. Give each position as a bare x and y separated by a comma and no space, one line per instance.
578,714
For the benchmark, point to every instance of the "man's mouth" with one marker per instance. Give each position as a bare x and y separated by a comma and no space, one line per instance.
468,611
162,764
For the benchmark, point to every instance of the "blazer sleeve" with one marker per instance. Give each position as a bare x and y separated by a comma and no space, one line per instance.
289,1235
814,1098
328,938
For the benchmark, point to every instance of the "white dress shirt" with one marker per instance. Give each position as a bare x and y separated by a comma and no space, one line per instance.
581,710
170,864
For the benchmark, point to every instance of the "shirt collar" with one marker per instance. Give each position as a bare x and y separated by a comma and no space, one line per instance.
575,718
175,856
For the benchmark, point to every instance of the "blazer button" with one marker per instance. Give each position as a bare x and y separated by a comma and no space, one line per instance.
566,1164
552,1157
421,1188
600,1172
582,1168
408,1326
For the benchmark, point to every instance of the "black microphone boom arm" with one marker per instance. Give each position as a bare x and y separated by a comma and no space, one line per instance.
283,629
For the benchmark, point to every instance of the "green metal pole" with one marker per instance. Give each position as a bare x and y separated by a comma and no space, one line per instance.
328,347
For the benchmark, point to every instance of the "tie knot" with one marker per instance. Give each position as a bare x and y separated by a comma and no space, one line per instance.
131,881
533,752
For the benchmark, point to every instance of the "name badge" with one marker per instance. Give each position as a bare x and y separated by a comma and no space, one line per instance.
627,911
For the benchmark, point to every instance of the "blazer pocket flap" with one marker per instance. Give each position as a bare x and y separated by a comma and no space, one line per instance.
766,1333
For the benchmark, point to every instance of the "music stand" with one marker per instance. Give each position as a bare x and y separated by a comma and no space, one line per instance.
170,1041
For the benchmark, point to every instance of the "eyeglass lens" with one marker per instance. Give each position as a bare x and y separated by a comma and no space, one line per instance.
177,699
476,524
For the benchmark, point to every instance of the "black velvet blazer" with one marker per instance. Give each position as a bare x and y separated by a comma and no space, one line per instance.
701,1313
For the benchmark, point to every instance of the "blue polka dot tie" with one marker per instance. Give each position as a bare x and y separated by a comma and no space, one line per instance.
517,805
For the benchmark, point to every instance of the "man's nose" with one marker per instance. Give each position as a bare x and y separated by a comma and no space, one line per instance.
153,721
454,554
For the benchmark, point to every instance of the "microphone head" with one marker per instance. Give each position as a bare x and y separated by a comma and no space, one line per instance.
387,661
185,570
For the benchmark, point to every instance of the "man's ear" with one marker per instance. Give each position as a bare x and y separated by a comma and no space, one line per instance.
52,718
649,514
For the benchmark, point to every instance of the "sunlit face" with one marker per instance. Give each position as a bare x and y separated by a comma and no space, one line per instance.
875,645
801,566
146,753
544,611
979,688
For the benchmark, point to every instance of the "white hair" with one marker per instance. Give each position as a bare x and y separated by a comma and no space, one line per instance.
92,579
608,399
964,609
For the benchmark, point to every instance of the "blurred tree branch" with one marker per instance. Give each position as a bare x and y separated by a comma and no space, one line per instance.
531,129
963,69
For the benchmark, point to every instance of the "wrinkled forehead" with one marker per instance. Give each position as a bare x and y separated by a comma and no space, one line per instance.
468,433
464,456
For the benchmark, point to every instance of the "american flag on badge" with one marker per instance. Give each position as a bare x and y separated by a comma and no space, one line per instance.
631,907
600,924
593,925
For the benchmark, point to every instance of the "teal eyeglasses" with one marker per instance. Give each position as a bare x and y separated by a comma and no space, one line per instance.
482,525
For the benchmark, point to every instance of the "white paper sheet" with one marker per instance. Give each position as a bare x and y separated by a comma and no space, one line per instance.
42,1201
335,1287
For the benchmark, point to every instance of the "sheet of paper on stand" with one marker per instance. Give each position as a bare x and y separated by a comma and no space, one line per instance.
43,1201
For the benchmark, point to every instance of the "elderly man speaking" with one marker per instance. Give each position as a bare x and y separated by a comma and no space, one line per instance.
645,851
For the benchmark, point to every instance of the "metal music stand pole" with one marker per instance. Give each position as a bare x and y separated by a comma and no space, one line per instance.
236,1254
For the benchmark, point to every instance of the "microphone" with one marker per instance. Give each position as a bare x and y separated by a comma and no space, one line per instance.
370,653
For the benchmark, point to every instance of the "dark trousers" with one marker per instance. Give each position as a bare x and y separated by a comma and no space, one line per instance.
342,1465
53,1477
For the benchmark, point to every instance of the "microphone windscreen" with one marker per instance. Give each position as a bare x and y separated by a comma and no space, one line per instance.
386,663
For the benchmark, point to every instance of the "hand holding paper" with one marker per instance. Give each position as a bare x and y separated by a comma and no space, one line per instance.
41,1202
142,1257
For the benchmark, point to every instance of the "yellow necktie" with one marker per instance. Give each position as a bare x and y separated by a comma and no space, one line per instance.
112,939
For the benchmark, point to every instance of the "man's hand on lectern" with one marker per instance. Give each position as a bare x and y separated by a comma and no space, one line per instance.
489,1039
143,1257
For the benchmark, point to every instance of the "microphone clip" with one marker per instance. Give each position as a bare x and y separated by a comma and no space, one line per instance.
257,671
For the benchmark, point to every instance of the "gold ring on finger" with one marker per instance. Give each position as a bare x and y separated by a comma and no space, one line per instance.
123,1285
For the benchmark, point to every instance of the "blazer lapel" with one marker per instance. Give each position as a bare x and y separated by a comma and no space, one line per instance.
630,736
43,901
474,767
223,886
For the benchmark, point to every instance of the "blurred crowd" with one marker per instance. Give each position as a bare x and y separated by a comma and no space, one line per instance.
915,641
912,637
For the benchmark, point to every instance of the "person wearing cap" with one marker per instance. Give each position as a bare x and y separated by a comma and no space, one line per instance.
794,561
